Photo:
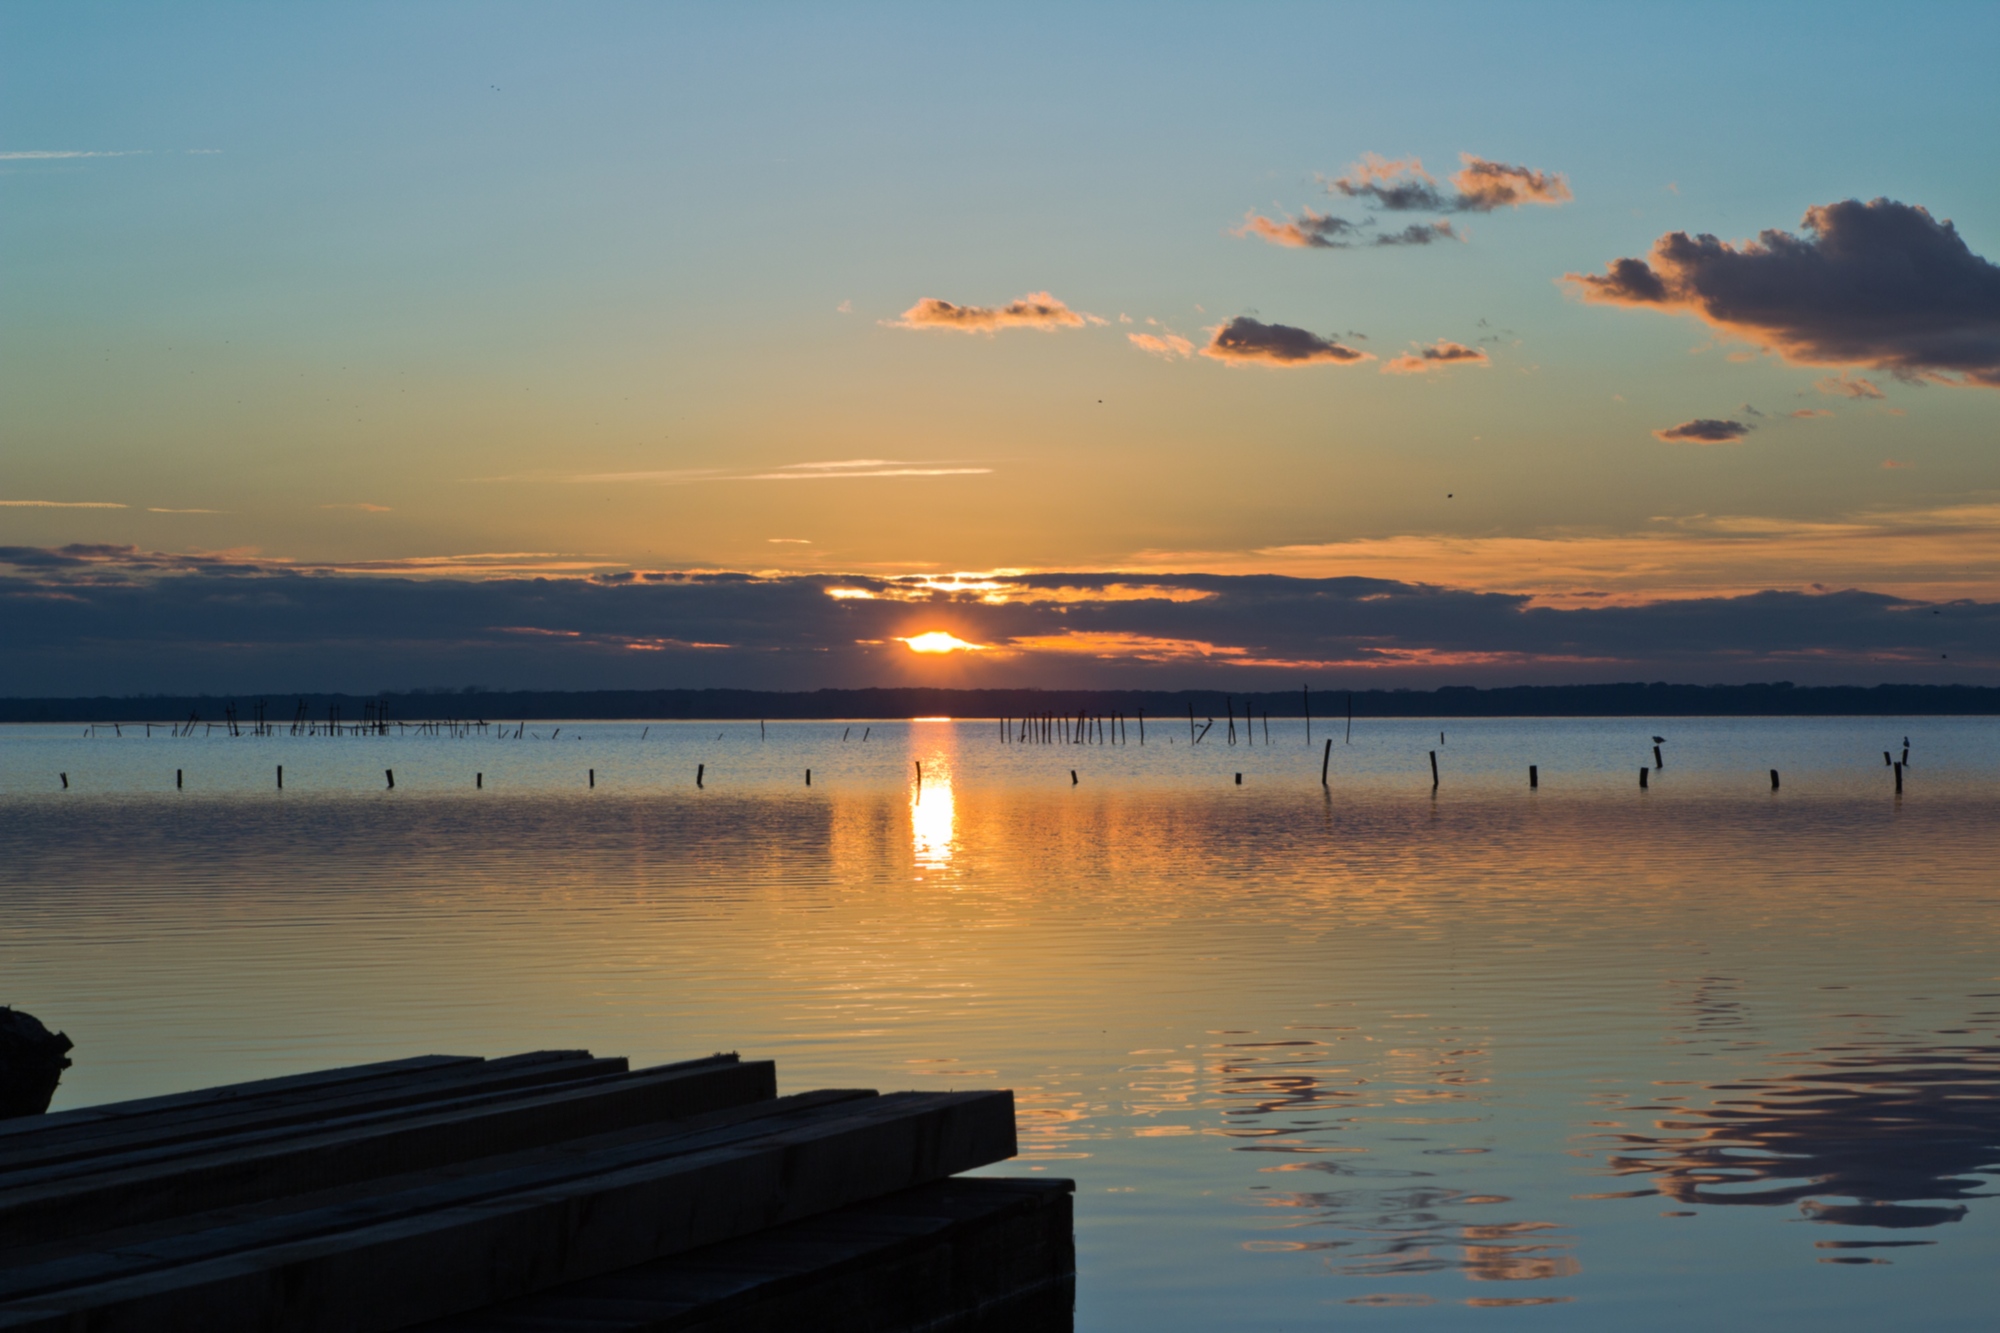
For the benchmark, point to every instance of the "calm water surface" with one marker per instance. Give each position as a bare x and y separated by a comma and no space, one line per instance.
1368,1055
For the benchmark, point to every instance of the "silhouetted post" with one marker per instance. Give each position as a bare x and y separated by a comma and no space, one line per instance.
1899,779
920,774
1906,754
1306,694
390,774
479,782
1267,728
1774,779
1230,704
760,728
698,770
1887,759
1072,777
281,777
1190,722
1142,726
177,779
1325,759
65,780
809,777
1534,778
1434,769
1642,777
1657,761
32,1060
593,779
1239,779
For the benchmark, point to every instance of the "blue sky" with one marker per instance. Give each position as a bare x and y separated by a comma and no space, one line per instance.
488,291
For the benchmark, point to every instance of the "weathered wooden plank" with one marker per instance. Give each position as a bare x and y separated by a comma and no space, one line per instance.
459,1245
170,1181
189,1128
929,1258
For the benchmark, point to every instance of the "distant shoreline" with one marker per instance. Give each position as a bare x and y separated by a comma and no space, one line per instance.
1779,699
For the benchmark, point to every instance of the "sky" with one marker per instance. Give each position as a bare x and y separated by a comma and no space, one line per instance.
381,346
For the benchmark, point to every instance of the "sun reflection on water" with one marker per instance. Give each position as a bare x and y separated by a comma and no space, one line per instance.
933,813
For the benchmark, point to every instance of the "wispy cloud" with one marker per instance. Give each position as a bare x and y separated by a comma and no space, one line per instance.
1036,310
1308,231
1881,284
1169,345
1480,186
156,510
1244,340
1437,356
1809,414
52,154
845,468
61,504
1845,385
364,508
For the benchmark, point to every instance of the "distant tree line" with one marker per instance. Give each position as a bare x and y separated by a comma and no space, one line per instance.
1776,699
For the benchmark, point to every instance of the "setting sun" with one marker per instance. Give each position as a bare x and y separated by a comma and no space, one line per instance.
939,641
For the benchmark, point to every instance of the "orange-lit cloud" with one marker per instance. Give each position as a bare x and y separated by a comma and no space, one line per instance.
1169,345
1308,231
1118,644
1880,284
1484,186
1480,186
939,641
1703,430
1036,310
1809,413
1437,356
1248,341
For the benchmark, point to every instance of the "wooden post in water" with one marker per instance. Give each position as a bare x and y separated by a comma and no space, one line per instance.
920,773
1774,779
593,779
1899,779
809,777
65,780
1306,694
390,774
1142,726
1657,761
479,782
1887,759
1642,777
1534,778
699,769
1434,770
1325,759
281,777
177,779
1239,779
1191,740
1072,777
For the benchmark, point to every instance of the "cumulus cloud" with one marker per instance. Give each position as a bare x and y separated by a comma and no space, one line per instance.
1170,345
1437,356
1036,310
1881,284
1244,340
1703,430
1480,186
1845,385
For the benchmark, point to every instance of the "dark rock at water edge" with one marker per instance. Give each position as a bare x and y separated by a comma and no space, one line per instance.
32,1060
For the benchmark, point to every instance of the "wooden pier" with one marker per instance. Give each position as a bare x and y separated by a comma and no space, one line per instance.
549,1190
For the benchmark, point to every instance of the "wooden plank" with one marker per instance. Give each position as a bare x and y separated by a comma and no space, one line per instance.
457,1248
931,1257
168,1181
81,1142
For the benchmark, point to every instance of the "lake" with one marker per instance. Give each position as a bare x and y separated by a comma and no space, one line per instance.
1373,1053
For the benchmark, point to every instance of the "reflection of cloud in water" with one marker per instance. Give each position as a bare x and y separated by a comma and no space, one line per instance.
1861,1137
1293,1097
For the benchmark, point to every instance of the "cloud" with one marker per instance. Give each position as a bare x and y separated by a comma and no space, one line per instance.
828,471
1308,231
116,620
154,510
1809,413
45,155
1848,386
363,507
60,504
1244,340
1480,186
1419,233
790,541
1881,284
1171,345
1704,430
1437,356
1036,310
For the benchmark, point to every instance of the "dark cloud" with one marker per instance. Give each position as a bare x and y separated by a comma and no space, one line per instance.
1308,231
1480,186
1880,284
1418,233
1437,356
1704,430
1248,340
70,632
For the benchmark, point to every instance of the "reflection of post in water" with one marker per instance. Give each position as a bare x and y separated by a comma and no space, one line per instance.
1888,1137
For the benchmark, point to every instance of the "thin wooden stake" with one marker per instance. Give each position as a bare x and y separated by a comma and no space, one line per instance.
1325,759
1643,770
1774,779
281,777
699,769
390,774
1434,769
1534,778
